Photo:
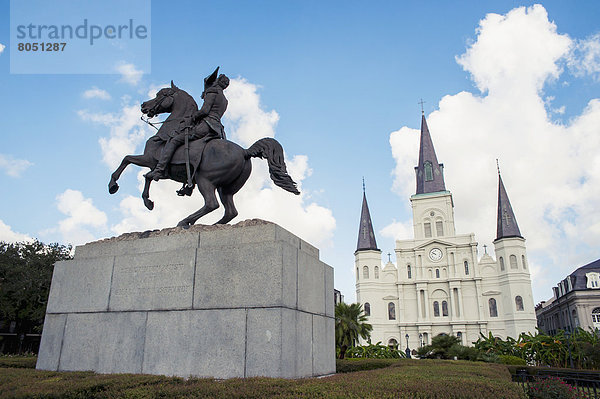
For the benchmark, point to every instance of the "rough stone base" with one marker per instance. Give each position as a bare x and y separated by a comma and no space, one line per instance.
227,301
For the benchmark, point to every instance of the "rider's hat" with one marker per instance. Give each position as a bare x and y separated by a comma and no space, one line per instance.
211,79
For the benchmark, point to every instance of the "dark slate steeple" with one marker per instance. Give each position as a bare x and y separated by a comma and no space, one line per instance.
430,173
366,236
507,223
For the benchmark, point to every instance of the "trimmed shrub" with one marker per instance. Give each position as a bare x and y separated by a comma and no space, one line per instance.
351,365
513,360
19,362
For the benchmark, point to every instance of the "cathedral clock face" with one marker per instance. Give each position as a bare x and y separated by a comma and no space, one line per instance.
435,254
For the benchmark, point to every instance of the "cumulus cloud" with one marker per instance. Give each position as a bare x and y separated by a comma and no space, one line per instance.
246,121
8,235
551,171
585,57
95,92
84,221
126,132
13,167
129,73
2,47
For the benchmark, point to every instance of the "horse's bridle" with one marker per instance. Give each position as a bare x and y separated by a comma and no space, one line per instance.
172,93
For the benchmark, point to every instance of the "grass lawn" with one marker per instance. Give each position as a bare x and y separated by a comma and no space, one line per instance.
402,378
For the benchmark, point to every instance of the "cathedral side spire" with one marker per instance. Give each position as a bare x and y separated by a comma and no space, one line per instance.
430,173
507,223
366,236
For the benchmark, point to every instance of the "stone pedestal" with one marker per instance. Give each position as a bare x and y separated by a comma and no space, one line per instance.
226,301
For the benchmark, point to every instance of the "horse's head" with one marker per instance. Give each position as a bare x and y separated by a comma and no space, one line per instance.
163,102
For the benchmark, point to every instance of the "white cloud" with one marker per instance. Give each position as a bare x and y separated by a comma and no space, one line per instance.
13,167
129,73
585,58
246,121
2,47
126,132
551,171
95,92
7,235
83,220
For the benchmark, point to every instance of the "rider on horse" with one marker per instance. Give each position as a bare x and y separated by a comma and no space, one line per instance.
205,123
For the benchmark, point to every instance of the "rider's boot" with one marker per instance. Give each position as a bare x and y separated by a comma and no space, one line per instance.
160,171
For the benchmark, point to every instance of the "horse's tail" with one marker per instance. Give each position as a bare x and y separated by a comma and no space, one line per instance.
271,150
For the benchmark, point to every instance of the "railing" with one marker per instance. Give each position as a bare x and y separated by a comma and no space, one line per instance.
588,382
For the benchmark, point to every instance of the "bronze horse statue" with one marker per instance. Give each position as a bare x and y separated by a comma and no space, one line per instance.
222,166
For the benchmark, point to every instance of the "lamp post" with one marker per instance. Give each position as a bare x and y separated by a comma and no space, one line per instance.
407,349
568,335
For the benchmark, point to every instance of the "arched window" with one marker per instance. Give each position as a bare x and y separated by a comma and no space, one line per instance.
367,309
425,338
365,272
439,228
466,268
428,171
392,343
519,303
444,308
436,309
523,262
357,274
501,264
493,308
408,271
376,272
513,262
437,273
427,229
459,336
391,311
596,317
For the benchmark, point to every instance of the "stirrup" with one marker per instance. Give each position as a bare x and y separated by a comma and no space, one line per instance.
155,175
185,190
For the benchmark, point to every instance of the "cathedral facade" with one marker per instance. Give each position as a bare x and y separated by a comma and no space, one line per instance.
439,284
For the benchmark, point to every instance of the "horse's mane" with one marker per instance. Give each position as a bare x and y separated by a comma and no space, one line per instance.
187,95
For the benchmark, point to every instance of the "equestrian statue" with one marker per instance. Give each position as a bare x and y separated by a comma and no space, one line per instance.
190,147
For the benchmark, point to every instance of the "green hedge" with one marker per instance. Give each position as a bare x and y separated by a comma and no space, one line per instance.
21,362
351,365
404,378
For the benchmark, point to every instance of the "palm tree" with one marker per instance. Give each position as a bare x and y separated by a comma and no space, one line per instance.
350,323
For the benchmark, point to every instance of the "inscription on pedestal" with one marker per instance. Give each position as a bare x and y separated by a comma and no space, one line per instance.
153,281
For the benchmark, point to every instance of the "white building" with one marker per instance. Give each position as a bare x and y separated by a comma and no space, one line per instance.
439,285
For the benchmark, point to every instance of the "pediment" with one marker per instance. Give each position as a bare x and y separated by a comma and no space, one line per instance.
435,241
390,298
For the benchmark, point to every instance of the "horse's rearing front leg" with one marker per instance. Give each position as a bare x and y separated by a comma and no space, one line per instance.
140,160
146,194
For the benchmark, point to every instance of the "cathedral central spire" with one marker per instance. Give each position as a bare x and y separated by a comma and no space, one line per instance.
507,223
366,236
430,173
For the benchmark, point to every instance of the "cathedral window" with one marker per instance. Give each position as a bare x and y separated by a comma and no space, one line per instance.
519,303
523,262
391,311
376,272
367,309
436,309
439,228
493,308
428,171
444,308
392,343
365,272
459,336
513,262
408,271
466,268
596,317
437,273
501,264
427,227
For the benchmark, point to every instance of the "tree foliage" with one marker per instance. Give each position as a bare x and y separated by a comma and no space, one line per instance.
350,324
25,275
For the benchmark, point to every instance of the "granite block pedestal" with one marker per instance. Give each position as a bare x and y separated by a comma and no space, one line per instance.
246,300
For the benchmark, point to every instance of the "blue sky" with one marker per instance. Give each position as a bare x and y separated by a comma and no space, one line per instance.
338,84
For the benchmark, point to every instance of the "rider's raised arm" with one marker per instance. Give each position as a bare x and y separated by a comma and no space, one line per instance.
209,100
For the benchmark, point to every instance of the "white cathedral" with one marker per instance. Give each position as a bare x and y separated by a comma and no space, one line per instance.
439,285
